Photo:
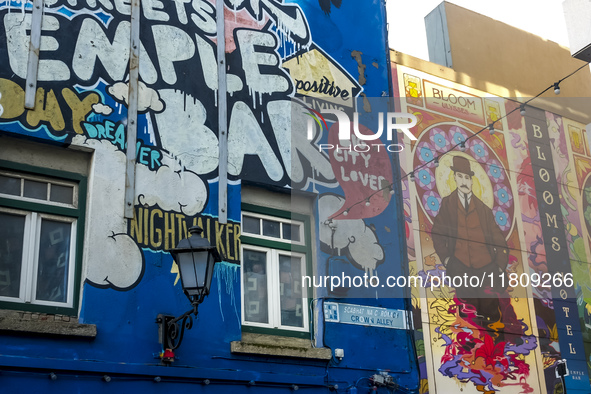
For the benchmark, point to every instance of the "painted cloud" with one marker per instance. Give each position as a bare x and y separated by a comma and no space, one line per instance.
148,98
351,237
179,191
102,109
120,263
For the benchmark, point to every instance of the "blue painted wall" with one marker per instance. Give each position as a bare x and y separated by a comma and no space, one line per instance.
81,94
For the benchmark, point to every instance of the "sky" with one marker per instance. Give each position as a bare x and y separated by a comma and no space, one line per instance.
406,20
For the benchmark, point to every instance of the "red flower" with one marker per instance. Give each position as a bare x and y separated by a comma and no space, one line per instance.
491,352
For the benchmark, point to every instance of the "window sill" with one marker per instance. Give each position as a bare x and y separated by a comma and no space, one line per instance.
272,345
43,324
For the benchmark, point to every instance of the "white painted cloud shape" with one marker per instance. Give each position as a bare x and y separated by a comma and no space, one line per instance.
148,98
178,191
120,263
351,237
102,109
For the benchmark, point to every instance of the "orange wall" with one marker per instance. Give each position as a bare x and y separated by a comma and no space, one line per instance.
494,57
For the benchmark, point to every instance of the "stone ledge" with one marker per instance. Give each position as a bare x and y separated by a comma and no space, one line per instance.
44,324
271,345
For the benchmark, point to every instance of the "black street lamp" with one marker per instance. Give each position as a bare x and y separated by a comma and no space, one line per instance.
195,258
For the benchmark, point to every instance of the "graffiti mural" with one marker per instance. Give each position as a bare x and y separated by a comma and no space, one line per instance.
486,209
82,99
283,59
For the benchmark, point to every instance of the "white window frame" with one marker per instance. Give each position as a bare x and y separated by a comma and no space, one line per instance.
49,181
275,219
274,289
30,258
273,273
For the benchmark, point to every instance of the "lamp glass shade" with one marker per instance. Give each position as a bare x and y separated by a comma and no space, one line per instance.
211,260
195,258
193,267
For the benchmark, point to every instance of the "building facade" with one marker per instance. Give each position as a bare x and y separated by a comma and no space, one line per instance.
524,172
112,126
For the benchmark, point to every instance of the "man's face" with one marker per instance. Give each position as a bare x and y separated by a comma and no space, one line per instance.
464,182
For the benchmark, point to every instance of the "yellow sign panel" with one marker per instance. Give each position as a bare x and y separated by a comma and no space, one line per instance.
454,103
317,75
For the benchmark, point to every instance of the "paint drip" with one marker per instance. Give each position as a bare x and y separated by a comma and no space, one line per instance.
229,274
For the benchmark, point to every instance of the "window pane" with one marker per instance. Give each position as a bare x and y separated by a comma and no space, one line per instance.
291,232
290,282
10,185
64,194
251,225
35,189
271,228
255,287
54,258
12,229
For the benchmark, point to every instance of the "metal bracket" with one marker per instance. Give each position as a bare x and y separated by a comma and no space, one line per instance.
171,329
34,47
134,66
222,115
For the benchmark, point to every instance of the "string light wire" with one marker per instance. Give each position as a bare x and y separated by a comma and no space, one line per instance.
462,144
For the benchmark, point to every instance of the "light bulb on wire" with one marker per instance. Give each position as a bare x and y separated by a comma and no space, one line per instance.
462,144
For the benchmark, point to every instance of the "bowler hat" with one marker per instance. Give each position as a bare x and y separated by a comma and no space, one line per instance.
461,164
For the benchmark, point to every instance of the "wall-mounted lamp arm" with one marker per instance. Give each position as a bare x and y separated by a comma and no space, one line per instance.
171,329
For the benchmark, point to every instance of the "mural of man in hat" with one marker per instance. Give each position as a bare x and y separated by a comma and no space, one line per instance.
468,241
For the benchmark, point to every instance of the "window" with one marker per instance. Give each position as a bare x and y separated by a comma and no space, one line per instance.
274,259
41,223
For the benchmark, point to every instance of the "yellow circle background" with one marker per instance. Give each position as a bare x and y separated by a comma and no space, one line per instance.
446,184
